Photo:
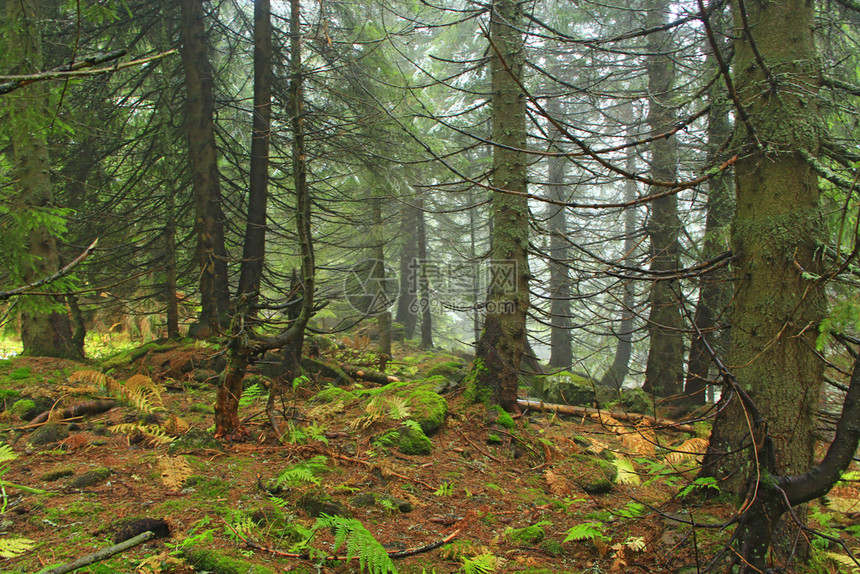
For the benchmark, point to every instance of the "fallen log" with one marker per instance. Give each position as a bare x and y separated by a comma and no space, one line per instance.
619,415
102,554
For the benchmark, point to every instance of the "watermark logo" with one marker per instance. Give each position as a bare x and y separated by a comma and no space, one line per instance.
433,284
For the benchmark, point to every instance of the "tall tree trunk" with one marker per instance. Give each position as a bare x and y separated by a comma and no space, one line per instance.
209,217
423,283
560,337
45,328
473,262
777,235
407,302
500,348
383,315
617,372
715,290
253,254
664,372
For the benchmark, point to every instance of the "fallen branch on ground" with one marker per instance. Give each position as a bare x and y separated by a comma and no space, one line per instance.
102,554
585,411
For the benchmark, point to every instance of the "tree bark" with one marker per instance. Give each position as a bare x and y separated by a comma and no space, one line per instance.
45,326
209,217
423,283
777,234
664,372
500,348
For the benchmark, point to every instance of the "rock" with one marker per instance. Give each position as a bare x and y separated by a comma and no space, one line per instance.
57,474
315,504
91,478
363,500
193,440
48,434
566,388
403,506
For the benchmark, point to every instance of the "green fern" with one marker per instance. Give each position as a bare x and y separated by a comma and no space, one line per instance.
13,547
585,531
483,564
398,408
360,544
6,453
251,394
303,472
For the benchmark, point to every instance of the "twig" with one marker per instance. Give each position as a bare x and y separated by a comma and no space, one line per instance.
102,554
65,270
479,449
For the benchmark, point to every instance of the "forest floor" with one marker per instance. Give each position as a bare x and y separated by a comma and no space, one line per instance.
539,494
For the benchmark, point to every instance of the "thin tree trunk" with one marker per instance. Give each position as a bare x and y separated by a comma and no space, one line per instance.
240,350
500,348
407,302
715,289
617,372
664,372
209,217
561,338
423,283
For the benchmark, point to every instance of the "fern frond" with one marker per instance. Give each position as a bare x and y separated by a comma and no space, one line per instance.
585,531
304,471
610,423
626,473
398,408
174,471
251,394
13,547
360,544
143,393
92,377
7,454
692,449
152,433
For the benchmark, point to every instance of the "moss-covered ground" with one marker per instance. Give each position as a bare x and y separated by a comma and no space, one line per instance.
533,494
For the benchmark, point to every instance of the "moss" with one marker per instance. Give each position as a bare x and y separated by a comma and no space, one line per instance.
21,373
6,394
475,394
219,563
414,441
426,407
530,535
567,388
451,370
91,478
57,474
206,487
504,418
21,407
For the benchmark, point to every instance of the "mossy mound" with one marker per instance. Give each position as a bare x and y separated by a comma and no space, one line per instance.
593,475
453,371
332,394
528,536
408,440
566,388
209,560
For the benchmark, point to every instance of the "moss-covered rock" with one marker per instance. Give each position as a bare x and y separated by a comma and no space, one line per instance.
317,503
413,441
91,478
57,474
453,371
528,536
20,407
499,416
209,560
194,440
425,406
567,388
48,434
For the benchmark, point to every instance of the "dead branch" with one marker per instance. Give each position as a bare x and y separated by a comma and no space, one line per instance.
585,411
102,554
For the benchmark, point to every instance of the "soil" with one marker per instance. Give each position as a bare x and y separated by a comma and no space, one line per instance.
543,495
